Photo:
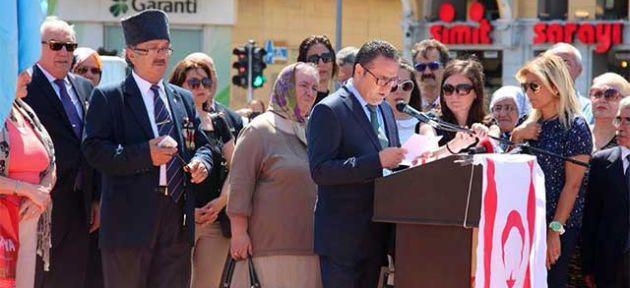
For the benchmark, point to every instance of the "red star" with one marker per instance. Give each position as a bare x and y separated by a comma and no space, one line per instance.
510,282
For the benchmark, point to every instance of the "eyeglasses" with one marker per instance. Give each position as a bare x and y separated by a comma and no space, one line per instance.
434,65
163,50
84,69
609,94
461,89
405,86
194,83
621,120
535,87
325,57
58,45
381,81
506,108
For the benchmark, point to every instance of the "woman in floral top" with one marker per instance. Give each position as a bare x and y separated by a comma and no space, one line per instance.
563,131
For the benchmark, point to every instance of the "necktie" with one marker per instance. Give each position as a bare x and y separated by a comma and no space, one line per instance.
71,110
174,173
376,126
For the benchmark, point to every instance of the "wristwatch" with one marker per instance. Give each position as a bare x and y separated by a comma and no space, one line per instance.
556,226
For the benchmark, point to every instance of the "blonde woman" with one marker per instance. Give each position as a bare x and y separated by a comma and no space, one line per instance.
549,87
607,91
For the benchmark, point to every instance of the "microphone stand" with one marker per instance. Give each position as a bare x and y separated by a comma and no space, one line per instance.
525,147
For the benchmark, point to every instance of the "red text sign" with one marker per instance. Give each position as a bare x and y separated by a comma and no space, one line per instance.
462,33
603,34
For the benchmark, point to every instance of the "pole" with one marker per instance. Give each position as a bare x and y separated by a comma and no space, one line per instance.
250,89
338,31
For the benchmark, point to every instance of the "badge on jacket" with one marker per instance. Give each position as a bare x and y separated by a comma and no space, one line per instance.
189,133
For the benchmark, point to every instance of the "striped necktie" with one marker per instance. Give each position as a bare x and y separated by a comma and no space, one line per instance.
165,126
377,126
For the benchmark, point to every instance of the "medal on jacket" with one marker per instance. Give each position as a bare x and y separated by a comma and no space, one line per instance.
189,133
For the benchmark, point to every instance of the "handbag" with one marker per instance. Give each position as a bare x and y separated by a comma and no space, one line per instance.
228,272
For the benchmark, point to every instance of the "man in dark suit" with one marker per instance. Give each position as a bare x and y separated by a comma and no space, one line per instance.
605,232
352,138
60,100
145,140
233,120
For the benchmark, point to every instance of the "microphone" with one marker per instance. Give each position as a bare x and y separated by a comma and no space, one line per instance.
403,107
484,146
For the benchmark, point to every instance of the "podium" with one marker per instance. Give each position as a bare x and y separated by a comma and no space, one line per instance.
435,207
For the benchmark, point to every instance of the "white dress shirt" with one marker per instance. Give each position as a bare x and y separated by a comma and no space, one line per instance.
147,97
73,96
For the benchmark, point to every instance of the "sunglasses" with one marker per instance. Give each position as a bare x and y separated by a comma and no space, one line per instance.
325,57
84,69
609,94
57,45
405,86
420,67
461,89
194,83
621,120
535,87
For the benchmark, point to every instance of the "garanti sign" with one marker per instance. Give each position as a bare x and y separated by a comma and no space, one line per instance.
462,32
601,34
120,7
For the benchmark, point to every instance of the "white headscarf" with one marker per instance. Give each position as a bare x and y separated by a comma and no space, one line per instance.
515,93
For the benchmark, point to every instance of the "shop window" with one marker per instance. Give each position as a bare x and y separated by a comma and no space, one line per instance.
461,8
492,62
611,9
617,61
553,9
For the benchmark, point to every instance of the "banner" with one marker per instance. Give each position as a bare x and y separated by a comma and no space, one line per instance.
511,240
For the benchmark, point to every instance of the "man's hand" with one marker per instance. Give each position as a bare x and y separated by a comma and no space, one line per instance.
96,216
391,157
160,155
198,171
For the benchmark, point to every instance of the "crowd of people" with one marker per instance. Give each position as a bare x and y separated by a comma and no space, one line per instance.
153,183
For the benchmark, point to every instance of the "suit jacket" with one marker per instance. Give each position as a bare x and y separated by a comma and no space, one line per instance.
234,121
605,222
68,201
117,132
343,156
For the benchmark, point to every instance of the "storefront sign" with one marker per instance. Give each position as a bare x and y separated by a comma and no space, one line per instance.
601,34
187,12
462,33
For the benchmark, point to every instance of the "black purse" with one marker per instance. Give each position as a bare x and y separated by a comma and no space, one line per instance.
228,272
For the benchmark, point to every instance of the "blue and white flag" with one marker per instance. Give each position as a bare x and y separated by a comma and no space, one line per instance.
20,45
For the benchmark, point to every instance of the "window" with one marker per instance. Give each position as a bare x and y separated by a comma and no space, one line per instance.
611,10
553,9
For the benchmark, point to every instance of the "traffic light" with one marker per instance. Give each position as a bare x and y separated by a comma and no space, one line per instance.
241,65
258,67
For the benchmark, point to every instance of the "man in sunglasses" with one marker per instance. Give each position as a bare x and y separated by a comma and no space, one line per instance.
605,231
430,57
144,138
59,99
352,137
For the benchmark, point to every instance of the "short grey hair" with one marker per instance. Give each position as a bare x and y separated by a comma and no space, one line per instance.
566,47
624,103
53,21
347,55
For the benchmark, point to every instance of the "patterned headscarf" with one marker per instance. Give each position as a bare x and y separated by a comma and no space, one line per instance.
283,100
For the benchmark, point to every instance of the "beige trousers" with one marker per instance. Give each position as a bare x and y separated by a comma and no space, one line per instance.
208,255
25,274
282,271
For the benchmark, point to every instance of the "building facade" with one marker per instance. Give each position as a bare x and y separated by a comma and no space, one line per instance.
505,34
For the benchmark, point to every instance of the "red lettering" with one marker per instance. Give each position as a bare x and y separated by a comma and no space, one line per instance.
603,32
436,32
569,30
460,34
484,32
555,33
539,33
586,34
616,34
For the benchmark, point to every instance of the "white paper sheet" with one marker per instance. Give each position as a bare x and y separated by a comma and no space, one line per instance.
417,144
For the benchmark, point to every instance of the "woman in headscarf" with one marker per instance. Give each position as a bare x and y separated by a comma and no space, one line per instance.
271,193
508,105
607,91
88,64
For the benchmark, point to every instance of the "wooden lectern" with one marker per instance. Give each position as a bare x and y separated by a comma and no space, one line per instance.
435,208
